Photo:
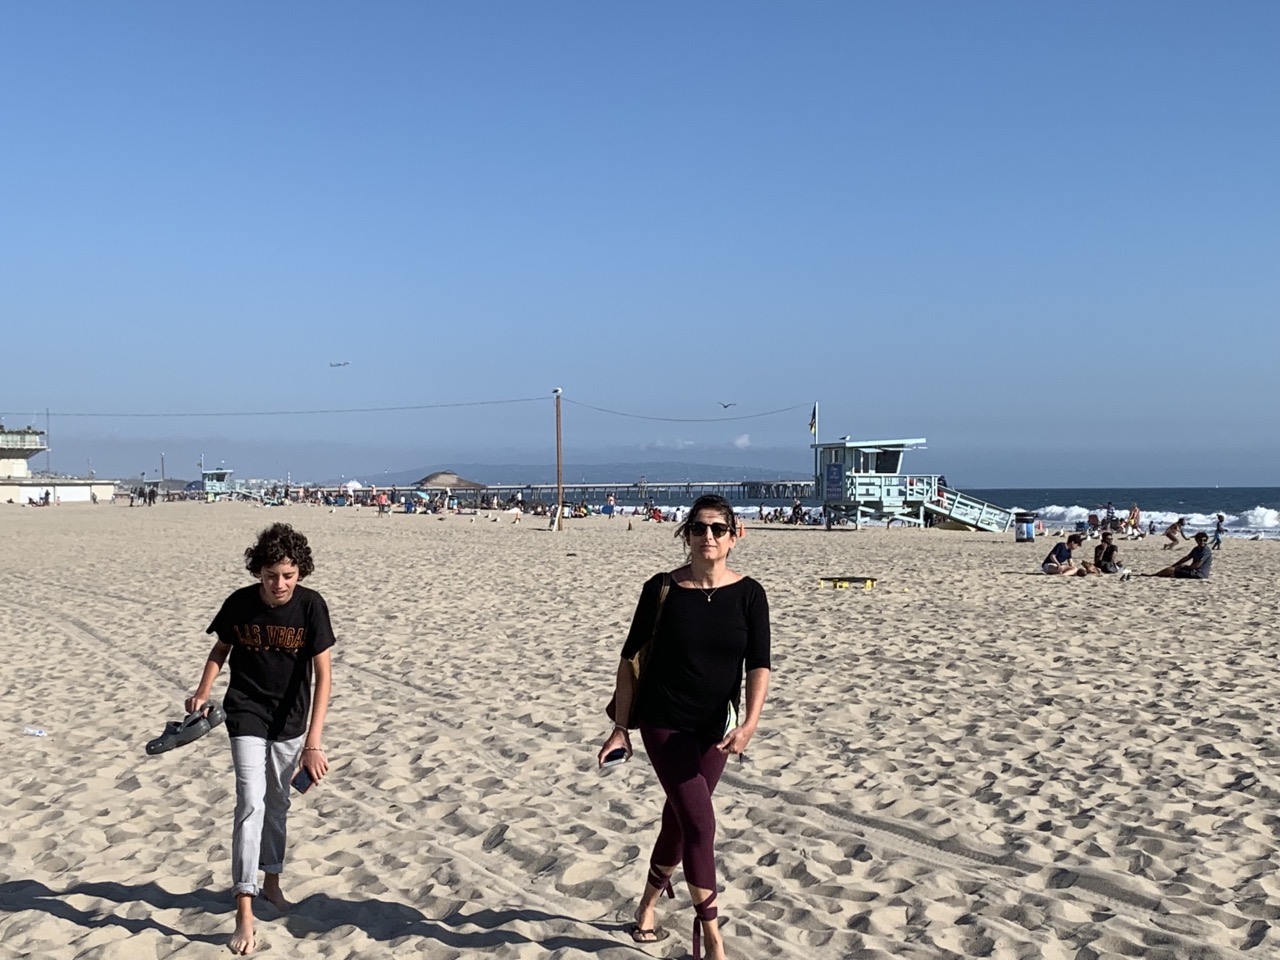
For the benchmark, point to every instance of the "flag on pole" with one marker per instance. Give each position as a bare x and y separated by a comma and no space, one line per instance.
813,421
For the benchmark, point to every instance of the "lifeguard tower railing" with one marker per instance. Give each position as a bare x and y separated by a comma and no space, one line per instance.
21,443
862,480
17,447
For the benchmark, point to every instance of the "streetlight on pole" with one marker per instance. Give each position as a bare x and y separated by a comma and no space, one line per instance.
559,466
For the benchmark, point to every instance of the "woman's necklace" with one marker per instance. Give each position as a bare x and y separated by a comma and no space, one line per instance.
710,593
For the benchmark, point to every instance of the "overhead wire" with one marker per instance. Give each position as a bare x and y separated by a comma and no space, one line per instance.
641,416
298,413
177,414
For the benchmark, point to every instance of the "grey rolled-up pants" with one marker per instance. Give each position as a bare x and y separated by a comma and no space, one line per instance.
263,771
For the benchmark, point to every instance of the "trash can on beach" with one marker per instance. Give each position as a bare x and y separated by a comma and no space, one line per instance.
1024,527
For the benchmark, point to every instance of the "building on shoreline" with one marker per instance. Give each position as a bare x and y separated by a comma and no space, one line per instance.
18,485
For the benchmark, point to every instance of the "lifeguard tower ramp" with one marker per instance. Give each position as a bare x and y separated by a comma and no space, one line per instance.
863,480
954,505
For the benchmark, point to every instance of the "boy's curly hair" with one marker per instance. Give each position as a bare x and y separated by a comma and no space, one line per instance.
277,543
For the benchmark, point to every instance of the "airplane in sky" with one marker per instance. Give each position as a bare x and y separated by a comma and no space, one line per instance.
340,363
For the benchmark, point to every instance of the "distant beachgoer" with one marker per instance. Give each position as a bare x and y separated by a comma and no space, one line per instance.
1195,565
1218,530
1109,517
1106,555
1059,562
609,504
1135,521
1174,531
277,634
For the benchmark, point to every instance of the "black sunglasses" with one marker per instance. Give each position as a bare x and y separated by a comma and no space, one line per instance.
699,529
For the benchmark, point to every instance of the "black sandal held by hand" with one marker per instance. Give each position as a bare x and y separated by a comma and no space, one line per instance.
195,726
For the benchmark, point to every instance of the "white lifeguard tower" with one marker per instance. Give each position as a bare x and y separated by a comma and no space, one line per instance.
861,480
216,482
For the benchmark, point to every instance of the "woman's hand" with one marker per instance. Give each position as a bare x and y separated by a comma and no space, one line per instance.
736,740
619,738
314,761
195,702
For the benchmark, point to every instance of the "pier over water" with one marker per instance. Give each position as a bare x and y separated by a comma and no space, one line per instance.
659,491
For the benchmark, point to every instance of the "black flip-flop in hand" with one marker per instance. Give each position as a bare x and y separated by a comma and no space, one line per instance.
179,733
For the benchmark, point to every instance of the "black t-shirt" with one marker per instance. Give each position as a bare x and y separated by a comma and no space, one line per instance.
269,693
695,668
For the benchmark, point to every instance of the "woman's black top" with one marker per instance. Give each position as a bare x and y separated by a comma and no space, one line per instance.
695,668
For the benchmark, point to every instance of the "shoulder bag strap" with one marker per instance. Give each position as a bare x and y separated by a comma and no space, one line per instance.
643,654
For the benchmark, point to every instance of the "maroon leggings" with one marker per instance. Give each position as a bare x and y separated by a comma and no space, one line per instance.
688,767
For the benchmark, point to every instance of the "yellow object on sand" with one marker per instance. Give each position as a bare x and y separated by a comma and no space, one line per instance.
844,583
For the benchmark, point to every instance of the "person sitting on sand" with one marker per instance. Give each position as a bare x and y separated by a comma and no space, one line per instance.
278,636
1174,531
1195,565
1106,555
1059,562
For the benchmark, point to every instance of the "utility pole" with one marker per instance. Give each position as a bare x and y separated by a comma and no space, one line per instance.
559,466
162,468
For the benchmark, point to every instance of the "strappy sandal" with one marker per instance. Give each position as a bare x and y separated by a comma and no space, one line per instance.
705,912
654,934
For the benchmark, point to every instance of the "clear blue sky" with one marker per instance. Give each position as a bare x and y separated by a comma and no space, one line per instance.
1044,236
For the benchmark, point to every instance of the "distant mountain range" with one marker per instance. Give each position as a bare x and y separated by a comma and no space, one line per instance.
652,471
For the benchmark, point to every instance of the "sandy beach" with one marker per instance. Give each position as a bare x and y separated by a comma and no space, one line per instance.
969,760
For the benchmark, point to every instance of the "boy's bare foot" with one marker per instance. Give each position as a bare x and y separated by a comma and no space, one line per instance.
242,941
276,899
272,893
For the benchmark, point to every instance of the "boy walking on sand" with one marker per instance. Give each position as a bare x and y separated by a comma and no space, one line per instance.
278,636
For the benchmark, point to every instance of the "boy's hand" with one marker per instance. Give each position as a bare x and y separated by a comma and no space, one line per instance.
314,761
195,702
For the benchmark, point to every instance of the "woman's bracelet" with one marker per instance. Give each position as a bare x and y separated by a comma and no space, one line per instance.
305,749
625,731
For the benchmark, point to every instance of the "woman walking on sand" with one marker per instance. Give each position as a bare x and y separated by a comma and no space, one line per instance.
696,632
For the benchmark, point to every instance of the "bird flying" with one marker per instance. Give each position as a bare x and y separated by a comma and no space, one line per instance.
726,405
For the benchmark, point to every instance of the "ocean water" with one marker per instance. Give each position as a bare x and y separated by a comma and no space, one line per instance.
1249,511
